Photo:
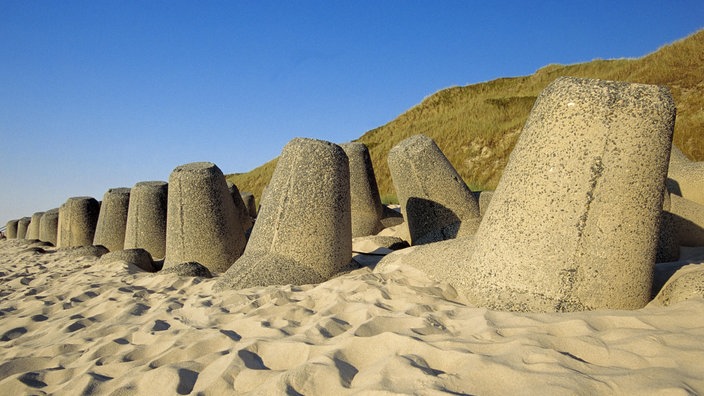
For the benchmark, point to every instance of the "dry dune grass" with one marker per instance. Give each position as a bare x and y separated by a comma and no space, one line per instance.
477,125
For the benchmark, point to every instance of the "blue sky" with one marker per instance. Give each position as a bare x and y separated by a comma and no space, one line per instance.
103,94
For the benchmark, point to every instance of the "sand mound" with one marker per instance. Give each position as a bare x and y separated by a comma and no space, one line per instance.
72,325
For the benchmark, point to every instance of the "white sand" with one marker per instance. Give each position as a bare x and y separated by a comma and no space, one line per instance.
72,326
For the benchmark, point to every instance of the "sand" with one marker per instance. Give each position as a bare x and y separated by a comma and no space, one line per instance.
73,326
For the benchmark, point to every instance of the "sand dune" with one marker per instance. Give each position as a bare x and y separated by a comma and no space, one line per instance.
73,325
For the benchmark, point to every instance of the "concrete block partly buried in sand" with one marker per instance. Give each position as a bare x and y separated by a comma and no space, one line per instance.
110,230
240,209
303,233
573,223
367,211
435,201
201,222
49,226
78,217
34,224
11,229
146,218
686,177
22,227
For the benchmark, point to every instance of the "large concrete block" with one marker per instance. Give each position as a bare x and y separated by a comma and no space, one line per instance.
686,177
201,219
146,218
49,226
78,217
22,227
303,233
573,223
367,211
11,229
435,201
112,221
34,224
249,203
241,210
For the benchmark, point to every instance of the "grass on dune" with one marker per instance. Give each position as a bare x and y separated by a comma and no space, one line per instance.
477,126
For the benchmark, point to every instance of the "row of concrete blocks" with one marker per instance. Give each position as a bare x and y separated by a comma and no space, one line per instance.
125,219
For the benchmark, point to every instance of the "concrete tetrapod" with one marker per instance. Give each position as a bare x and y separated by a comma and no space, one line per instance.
573,223
303,233
22,227
364,192
249,203
11,229
78,217
34,224
49,226
201,219
686,177
435,201
146,218
112,220
240,209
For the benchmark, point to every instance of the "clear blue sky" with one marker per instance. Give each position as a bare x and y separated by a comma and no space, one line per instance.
102,94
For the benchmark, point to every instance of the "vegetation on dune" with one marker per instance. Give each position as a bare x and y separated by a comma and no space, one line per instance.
476,126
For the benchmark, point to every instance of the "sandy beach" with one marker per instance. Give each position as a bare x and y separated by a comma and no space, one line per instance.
71,324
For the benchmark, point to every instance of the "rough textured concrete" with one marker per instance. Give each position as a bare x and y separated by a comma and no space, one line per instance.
241,211
85,251
484,201
249,203
78,217
137,257
22,227
367,211
112,220
303,233
668,246
687,219
49,226
201,221
146,218
34,225
11,229
573,223
686,177
435,201
190,268
686,283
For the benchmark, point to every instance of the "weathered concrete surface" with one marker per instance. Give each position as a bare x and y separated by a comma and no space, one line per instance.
435,201
687,218
112,220
201,222
367,211
49,226
22,227
686,177
11,229
138,257
34,225
303,233
249,203
241,210
573,223
146,218
78,217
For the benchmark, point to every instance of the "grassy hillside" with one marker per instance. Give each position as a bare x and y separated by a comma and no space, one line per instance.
476,126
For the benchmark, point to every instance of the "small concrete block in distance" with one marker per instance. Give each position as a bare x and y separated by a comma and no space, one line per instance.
112,220
34,225
367,211
22,227
137,257
435,201
78,217
249,203
303,233
146,218
686,177
11,229
240,209
201,219
573,223
668,246
49,226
